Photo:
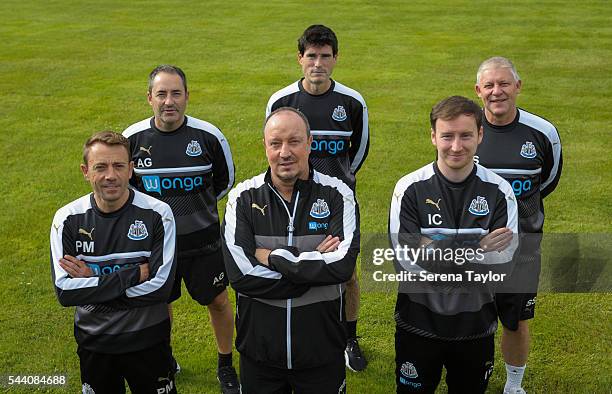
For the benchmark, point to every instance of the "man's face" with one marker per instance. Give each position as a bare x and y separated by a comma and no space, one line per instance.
169,100
108,170
287,147
317,64
456,141
498,89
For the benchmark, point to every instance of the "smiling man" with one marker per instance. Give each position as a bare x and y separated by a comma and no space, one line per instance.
524,149
450,204
112,256
291,238
338,116
187,163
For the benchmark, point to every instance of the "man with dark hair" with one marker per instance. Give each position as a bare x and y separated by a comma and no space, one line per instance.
524,149
318,35
170,69
466,213
290,239
112,256
187,163
338,116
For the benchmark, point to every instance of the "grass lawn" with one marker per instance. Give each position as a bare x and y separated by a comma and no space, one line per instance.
71,68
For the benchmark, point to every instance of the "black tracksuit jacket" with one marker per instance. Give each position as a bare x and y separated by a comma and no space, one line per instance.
453,215
290,313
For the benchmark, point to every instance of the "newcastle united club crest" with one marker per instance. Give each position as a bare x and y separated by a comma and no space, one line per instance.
339,114
193,149
138,231
408,370
528,150
319,209
479,206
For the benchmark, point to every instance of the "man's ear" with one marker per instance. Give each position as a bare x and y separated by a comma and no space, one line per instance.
84,170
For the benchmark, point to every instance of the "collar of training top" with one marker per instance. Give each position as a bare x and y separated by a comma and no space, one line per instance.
301,185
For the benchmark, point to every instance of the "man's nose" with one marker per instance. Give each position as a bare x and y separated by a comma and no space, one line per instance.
456,146
284,151
111,173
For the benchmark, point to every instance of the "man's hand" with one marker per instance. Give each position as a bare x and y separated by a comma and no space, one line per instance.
144,272
262,254
424,241
497,240
329,244
75,267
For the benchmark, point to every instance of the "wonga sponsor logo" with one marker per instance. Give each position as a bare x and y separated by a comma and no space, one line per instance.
108,269
329,146
153,183
317,226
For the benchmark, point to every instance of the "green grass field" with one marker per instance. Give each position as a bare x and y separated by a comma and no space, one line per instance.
70,68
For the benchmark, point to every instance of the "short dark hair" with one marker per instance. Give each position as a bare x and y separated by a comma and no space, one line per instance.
290,109
170,69
318,36
106,137
452,107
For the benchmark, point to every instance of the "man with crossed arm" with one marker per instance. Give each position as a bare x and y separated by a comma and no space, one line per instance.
112,256
450,204
290,240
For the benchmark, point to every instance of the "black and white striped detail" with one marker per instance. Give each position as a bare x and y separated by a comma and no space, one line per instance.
144,124
242,261
197,124
62,280
348,220
365,134
551,133
334,133
143,201
286,91
401,186
489,176
81,206
174,170
211,129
